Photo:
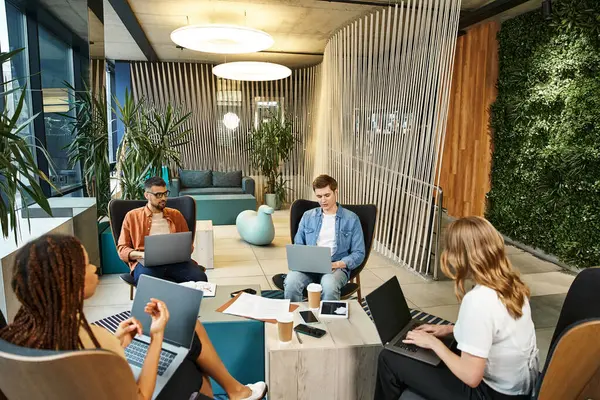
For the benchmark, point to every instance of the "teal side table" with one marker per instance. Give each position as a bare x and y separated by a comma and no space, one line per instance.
222,209
239,342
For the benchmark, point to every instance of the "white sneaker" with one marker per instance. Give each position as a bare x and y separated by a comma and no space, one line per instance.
259,391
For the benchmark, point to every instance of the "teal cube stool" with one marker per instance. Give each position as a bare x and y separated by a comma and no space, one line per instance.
239,342
222,209
110,261
241,346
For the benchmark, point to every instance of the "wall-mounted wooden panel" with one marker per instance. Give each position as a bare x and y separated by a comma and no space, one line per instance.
466,162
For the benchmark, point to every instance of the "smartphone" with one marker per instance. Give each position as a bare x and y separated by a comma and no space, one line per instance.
248,290
308,317
310,330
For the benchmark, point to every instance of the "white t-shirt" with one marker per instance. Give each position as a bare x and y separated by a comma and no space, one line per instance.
327,234
485,329
159,226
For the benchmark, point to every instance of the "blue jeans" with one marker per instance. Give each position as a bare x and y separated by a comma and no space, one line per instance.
295,283
180,272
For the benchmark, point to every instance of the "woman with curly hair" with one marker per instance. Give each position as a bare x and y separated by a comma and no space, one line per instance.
497,356
51,279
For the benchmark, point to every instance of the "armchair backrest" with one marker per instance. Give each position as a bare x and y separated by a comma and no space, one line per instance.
56,375
572,370
367,214
117,209
582,301
574,348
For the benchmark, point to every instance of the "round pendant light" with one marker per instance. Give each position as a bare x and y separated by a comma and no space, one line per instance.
251,71
222,39
231,120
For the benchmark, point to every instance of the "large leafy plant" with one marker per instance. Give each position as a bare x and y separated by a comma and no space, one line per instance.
19,173
90,144
151,140
167,132
546,123
270,146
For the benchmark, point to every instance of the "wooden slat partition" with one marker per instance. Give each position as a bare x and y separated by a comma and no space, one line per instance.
466,165
208,98
386,81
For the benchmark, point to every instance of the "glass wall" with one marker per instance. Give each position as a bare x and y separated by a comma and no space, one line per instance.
19,65
16,73
56,62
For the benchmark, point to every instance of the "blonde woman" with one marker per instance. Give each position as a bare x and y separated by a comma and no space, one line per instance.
497,353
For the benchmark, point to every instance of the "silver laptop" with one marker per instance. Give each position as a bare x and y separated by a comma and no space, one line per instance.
310,259
167,249
393,321
183,304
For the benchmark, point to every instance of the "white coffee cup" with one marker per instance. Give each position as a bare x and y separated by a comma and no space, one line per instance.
314,295
285,325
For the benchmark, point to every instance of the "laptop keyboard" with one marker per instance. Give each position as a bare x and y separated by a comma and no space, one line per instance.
404,346
136,354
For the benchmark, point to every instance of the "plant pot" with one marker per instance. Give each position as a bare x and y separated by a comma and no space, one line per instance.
271,201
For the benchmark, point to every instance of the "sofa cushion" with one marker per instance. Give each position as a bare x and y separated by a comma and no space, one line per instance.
195,179
227,179
211,190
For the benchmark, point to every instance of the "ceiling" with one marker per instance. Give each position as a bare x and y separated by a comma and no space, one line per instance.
300,28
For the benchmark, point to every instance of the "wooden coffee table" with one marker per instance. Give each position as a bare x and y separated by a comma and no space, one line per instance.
340,365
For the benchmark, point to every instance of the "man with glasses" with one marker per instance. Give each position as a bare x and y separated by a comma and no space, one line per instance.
155,218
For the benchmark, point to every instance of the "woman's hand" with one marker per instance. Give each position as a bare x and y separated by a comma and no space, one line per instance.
160,316
436,330
422,339
127,330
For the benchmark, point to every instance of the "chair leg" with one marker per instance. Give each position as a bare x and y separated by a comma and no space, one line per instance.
131,292
359,292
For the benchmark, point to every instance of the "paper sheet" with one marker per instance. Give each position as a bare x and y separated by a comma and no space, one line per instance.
209,288
257,307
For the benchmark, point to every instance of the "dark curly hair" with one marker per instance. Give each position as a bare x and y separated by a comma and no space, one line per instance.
48,280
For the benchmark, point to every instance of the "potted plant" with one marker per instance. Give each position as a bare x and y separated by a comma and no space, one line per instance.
167,132
90,144
150,142
19,173
270,146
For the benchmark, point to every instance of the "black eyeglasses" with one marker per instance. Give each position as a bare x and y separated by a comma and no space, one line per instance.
160,195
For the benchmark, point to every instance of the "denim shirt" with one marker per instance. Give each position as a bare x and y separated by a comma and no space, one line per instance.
349,240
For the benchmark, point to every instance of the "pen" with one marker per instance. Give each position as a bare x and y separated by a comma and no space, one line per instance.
298,336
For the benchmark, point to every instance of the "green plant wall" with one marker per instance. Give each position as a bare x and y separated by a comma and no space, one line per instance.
546,123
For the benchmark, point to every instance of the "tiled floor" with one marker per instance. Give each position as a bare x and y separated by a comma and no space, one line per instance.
237,262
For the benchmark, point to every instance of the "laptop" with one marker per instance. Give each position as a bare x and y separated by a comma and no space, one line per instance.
393,321
309,259
184,305
167,249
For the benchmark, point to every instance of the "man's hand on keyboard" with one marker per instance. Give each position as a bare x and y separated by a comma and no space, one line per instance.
421,339
160,316
127,330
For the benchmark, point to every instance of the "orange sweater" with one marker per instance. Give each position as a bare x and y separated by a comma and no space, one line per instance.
136,227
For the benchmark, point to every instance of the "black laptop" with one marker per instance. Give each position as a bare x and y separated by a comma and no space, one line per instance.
393,321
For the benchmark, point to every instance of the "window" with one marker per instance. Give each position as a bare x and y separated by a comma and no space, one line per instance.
56,64
16,72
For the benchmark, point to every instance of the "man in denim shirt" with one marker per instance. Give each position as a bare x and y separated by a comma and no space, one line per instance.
331,226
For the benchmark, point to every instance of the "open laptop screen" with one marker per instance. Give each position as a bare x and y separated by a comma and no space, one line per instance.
389,309
183,304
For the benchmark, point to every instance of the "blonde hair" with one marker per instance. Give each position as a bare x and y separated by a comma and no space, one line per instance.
474,249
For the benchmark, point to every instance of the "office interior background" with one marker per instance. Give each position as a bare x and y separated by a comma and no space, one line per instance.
430,109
